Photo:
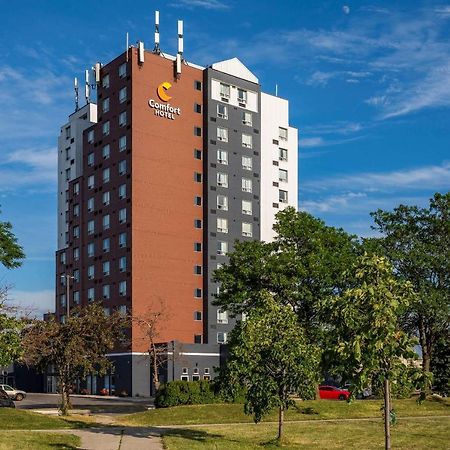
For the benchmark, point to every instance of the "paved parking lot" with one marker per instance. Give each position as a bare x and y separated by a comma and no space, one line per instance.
101,405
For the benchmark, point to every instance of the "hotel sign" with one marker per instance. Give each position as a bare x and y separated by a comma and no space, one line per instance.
164,109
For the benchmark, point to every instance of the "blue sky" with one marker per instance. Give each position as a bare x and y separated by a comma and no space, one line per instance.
368,84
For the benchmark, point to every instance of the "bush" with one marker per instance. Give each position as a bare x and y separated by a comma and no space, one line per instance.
176,393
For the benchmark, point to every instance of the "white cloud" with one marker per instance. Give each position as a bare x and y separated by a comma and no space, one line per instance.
311,142
321,142
39,159
36,303
207,4
332,203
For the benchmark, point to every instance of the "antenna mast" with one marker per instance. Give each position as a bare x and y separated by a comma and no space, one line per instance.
87,87
75,86
157,48
180,58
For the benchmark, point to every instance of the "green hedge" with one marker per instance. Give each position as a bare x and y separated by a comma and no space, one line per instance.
176,393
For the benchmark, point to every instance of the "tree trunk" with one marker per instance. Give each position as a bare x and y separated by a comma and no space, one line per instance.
65,400
280,423
387,415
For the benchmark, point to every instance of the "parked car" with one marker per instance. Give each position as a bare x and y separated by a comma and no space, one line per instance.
15,394
333,393
5,400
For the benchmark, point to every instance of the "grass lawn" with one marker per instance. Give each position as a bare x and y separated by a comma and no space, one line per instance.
308,410
29,440
16,419
429,433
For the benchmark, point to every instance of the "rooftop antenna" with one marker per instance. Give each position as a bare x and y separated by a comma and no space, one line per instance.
75,86
127,46
97,68
180,47
157,49
141,52
87,87
276,90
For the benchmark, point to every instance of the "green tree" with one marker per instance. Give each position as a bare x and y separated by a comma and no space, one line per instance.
366,335
76,348
440,365
271,358
417,242
303,265
11,253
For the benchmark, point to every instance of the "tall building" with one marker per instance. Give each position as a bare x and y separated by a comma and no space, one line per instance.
156,181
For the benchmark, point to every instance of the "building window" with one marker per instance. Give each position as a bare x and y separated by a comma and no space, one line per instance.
197,293
76,275
222,202
106,268
106,311
283,196
105,105
224,90
62,258
62,300
106,245
122,191
197,154
122,215
90,249
197,246
90,204
222,317
222,225
105,128
106,222
247,207
197,201
122,167
197,338
90,227
122,143
68,174
221,337
76,297
106,151
283,175
283,154
247,229
90,159
91,294
122,288
197,108
247,162
197,177
283,133
106,175
91,272
76,231
197,131
76,188
246,185
91,182
122,119
222,179
222,134
105,81
76,210
222,111
67,154
247,141
106,291
222,156
222,247
62,319
123,95
247,118
122,264
106,198
90,136
122,309
242,95
197,85
197,223
123,70
197,315
122,240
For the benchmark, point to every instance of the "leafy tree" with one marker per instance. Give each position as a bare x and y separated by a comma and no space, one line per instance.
11,253
76,348
440,365
303,265
270,356
367,339
417,242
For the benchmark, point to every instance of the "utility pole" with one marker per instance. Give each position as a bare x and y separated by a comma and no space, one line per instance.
67,277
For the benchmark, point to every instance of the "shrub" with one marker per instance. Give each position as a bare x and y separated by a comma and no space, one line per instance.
176,393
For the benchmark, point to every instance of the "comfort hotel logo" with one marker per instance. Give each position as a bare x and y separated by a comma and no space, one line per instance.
165,109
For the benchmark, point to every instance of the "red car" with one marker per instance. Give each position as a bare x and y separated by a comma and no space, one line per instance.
333,393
